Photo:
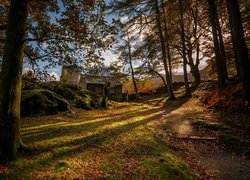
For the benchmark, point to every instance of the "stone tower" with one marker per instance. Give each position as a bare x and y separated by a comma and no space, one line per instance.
71,74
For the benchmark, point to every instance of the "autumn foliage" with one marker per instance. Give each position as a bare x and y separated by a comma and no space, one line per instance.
144,86
230,97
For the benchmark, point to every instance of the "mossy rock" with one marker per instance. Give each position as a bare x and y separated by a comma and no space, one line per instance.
79,97
65,90
42,102
83,103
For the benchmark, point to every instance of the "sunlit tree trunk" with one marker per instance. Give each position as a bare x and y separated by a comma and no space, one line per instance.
182,34
219,62
163,49
167,43
169,63
239,43
10,81
194,66
132,70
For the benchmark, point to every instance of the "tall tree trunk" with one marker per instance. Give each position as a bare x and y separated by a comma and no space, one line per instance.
219,64
235,48
240,44
132,71
163,49
197,63
169,63
194,68
167,44
10,80
195,72
221,43
182,34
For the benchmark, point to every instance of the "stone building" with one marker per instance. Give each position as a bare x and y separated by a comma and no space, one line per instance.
98,84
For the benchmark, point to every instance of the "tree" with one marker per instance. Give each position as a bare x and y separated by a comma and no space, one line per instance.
131,68
147,52
239,43
147,16
221,43
163,49
182,34
60,29
61,35
219,60
10,82
124,48
167,37
195,28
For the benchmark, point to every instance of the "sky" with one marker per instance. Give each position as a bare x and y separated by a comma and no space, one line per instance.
56,71
108,56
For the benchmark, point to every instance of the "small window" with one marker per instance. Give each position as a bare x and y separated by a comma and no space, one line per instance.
98,90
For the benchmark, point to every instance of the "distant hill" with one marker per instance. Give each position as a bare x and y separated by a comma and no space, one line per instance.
155,82
180,78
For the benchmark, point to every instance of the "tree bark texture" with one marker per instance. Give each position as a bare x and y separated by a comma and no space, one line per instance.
235,50
221,43
182,34
240,46
167,44
169,63
219,62
10,81
132,70
194,66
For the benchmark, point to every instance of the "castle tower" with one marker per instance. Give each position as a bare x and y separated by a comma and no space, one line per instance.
71,74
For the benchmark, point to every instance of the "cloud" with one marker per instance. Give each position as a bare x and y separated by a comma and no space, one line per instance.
109,57
45,45
57,77
124,19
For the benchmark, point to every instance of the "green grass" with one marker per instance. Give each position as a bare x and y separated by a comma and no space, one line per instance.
112,143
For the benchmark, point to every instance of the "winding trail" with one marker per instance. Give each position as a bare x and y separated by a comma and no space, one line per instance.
200,147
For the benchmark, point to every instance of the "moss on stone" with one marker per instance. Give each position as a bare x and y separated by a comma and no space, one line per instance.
42,102
76,95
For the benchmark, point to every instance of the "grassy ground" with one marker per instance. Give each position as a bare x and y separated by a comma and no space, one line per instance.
147,139
118,142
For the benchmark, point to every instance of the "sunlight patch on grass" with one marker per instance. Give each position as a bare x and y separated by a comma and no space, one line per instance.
113,143
27,129
75,132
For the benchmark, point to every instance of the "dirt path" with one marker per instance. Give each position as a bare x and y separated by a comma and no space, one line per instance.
200,147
